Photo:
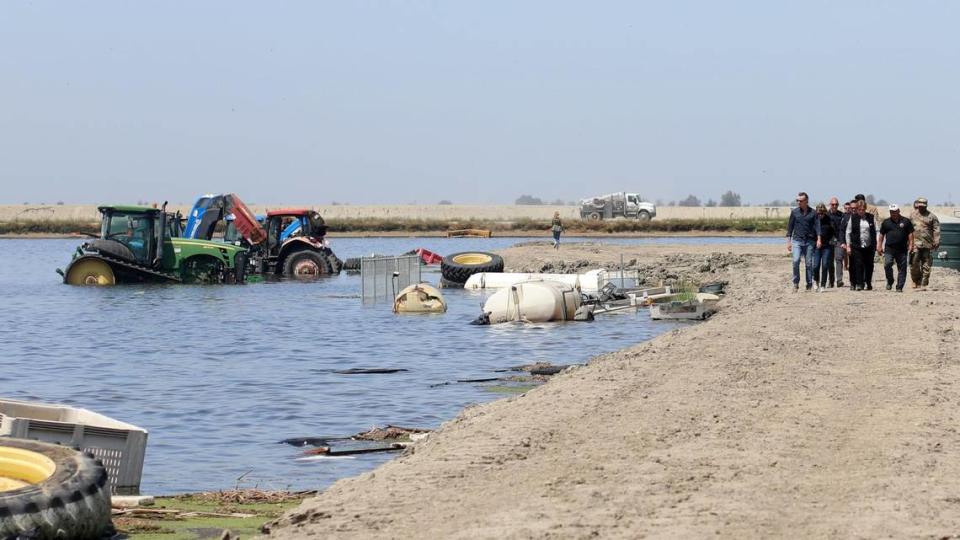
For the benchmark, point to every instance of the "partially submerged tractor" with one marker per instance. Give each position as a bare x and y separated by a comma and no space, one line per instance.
139,244
289,242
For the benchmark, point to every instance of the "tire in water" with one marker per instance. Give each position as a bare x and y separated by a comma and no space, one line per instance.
336,265
458,267
202,269
90,270
306,264
447,284
65,493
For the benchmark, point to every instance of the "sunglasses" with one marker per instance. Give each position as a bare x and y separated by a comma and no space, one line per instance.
834,204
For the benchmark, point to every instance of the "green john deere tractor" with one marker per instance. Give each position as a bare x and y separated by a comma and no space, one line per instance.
140,244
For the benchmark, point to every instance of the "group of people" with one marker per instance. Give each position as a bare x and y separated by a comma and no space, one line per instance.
833,240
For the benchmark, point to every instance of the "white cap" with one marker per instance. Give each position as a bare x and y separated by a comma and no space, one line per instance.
894,208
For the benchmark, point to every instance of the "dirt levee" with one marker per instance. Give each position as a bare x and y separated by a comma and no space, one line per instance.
786,415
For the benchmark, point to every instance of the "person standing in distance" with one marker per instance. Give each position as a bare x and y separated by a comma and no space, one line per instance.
926,233
557,228
803,231
895,242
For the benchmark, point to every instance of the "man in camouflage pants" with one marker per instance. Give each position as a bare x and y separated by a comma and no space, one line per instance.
926,230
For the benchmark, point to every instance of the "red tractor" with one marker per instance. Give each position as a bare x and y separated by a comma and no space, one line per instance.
295,245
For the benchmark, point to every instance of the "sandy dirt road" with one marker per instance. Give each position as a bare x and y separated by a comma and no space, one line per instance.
830,415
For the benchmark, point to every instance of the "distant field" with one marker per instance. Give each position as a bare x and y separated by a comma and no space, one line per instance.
391,225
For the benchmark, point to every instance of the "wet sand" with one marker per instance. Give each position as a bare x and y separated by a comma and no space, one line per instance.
785,415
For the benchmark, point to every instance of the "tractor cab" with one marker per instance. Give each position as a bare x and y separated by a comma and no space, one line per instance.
134,233
287,224
295,244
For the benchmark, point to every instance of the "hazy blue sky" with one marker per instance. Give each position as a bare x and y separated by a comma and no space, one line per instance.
382,102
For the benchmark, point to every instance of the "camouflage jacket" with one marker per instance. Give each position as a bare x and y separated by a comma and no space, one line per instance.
926,230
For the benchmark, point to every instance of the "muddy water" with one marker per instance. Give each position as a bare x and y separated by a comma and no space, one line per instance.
219,374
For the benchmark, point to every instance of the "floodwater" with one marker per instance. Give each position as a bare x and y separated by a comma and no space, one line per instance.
219,374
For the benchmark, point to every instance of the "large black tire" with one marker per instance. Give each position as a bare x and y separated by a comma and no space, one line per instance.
111,248
202,269
240,263
458,267
447,284
73,502
352,264
643,215
336,265
307,264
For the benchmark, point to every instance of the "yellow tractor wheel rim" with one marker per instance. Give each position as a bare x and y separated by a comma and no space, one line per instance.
472,259
20,468
91,272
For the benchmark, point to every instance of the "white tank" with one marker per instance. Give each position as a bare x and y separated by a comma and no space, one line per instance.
533,301
588,282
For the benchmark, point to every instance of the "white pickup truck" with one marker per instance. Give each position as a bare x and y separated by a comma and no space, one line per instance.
622,204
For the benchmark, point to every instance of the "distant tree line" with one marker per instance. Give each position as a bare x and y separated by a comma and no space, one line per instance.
731,198
530,200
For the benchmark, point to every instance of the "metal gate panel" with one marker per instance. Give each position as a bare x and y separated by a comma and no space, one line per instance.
383,277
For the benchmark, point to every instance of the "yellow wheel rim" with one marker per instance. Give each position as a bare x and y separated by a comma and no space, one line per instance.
472,259
90,272
20,468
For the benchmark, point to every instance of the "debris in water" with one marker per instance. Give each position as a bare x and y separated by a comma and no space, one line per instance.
368,371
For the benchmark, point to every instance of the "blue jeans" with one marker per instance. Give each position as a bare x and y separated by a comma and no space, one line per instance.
803,249
822,264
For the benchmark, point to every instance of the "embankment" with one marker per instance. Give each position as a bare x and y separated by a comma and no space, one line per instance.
446,213
786,415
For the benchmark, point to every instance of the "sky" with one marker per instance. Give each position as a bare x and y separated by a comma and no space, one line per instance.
392,102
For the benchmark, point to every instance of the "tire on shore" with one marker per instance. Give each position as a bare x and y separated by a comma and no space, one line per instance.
62,493
458,267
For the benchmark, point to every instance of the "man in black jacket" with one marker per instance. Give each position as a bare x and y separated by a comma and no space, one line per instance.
861,239
839,255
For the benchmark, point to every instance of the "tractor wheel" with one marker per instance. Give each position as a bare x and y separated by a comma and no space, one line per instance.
447,284
306,265
90,271
202,270
52,491
336,265
458,267
594,216
240,268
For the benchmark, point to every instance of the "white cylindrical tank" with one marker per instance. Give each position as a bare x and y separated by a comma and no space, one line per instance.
533,301
588,282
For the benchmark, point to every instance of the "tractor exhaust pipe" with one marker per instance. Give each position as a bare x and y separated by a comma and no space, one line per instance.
160,233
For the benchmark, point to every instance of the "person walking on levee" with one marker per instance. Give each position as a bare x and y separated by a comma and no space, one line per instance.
926,234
